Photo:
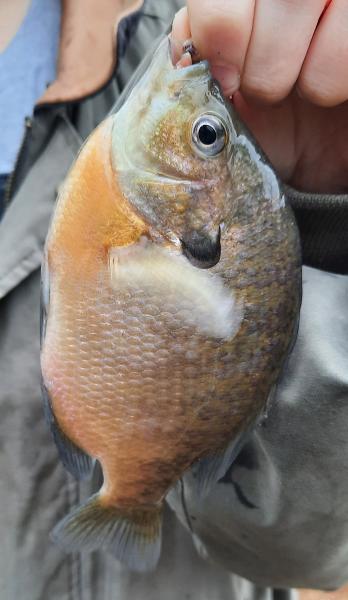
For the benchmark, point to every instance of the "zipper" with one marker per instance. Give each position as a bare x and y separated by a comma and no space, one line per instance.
28,122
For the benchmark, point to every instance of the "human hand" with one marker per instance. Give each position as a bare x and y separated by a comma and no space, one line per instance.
285,64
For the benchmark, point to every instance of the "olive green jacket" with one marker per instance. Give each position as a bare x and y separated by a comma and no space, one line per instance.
280,515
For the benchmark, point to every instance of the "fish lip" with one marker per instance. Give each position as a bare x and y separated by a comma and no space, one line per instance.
197,66
201,249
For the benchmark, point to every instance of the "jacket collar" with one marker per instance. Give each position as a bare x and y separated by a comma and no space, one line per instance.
87,53
24,226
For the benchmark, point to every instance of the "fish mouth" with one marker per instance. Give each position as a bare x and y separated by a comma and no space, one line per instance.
202,249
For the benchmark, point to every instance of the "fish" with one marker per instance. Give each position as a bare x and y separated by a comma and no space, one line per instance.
171,289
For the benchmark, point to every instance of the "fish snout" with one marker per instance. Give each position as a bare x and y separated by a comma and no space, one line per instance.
201,248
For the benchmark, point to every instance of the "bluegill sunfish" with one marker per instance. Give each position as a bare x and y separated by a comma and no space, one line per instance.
171,292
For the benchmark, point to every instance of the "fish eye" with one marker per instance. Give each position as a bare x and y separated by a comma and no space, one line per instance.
209,135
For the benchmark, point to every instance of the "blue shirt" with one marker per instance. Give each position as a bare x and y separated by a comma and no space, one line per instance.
27,66
3,180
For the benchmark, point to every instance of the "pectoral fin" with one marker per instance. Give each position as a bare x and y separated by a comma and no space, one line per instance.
75,460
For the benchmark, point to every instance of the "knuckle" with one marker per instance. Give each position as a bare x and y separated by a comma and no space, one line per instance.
265,90
316,91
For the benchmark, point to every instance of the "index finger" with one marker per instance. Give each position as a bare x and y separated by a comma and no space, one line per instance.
229,24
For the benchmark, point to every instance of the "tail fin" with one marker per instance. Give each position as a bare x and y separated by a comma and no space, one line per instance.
133,536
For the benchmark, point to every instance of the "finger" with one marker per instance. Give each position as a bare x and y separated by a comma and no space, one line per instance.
323,79
281,36
221,31
270,127
180,33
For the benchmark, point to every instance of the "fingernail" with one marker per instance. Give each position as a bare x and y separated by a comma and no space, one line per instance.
228,77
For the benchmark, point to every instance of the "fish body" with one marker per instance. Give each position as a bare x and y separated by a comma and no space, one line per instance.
171,292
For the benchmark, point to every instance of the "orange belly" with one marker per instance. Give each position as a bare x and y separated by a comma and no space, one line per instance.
133,386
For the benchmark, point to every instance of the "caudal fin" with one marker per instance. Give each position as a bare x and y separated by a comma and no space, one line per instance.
133,536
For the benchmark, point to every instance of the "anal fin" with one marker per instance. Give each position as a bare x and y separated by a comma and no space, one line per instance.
75,460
